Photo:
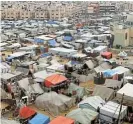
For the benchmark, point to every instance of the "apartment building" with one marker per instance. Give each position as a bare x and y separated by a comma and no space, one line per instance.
41,14
93,8
128,6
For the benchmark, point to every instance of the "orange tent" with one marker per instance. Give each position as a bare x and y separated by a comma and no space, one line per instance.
54,80
26,112
107,55
62,120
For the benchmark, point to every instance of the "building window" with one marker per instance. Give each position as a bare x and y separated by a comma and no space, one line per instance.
125,36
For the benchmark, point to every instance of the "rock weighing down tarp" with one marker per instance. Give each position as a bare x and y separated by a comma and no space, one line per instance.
92,102
54,103
83,116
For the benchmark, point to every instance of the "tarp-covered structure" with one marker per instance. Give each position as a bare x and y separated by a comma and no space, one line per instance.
61,119
92,102
5,121
89,64
110,111
127,90
54,79
54,103
107,55
80,91
104,92
83,116
3,94
115,84
4,68
39,119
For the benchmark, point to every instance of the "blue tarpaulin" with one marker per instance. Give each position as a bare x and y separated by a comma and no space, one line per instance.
74,62
40,119
37,40
51,22
109,73
45,55
67,38
52,42
9,58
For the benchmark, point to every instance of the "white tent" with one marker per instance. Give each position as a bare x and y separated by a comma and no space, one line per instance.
100,49
54,103
5,121
4,68
92,102
15,45
111,110
122,54
55,68
127,90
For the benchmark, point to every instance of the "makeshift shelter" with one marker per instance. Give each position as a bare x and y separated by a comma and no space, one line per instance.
89,64
102,67
100,49
114,84
54,103
80,91
26,112
7,76
4,95
54,79
104,92
122,54
106,55
127,90
61,119
5,121
39,119
92,102
56,67
83,116
110,112
4,68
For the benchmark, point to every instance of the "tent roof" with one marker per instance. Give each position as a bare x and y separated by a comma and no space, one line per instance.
40,119
83,116
103,92
26,112
106,53
54,79
61,119
5,121
90,64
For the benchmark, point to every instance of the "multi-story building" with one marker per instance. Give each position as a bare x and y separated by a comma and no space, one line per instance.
41,14
26,14
93,8
123,32
128,6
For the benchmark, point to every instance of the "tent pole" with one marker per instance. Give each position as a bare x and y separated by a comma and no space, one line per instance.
120,109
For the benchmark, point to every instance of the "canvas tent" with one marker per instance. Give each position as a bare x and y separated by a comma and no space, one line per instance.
54,79
127,90
83,116
39,119
54,103
80,90
110,111
61,119
115,84
92,102
103,92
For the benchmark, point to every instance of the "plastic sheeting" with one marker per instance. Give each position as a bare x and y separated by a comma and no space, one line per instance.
5,121
54,103
103,92
40,119
92,103
67,38
83,116
52,42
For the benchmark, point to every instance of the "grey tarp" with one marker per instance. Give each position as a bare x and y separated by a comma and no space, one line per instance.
90,64
103,92
110,83
54,103
80,90
3,94
92,102
83,116
102,67
83,78
5,121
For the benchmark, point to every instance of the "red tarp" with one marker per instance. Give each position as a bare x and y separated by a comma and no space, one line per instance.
62,120
54,80
108,55
26,112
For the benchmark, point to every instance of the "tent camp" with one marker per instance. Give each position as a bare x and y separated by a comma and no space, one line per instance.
127,90
103,92
39,119
83,116
80,91
115,84
110,111
54,79
61,119
54,103
92,102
